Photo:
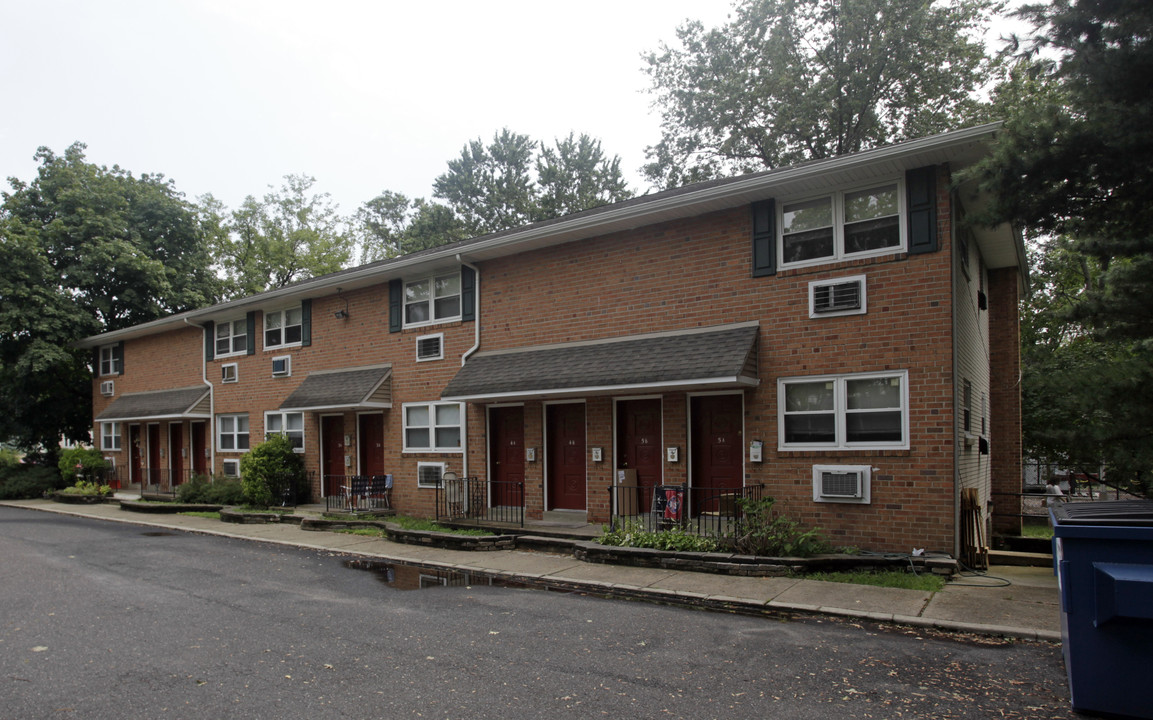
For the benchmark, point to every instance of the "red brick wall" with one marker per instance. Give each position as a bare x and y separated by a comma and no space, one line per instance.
1005,399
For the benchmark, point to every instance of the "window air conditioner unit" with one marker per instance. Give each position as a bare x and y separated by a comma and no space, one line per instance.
108,388
281,366
841,484
429,347
837,297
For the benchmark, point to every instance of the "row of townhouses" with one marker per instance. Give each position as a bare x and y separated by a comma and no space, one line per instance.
834,332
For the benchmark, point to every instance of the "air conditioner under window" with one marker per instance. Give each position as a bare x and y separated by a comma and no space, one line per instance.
108,388
281,366
841,484
429,347
837,297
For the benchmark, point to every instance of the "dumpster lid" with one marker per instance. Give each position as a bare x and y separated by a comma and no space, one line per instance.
1113,512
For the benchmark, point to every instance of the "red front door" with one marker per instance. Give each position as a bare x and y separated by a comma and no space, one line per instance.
566,456
199,448
507,452
154,469
717,449
639,444
371,444
176,452
135,455
332,453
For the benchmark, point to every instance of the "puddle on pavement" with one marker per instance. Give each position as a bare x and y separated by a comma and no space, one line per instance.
412,577
157,533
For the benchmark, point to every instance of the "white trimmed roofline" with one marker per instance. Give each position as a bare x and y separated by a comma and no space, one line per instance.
645,210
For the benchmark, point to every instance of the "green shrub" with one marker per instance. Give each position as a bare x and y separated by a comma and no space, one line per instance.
22,482
200,489
268,470
763,531
88,459
8,458
633,534
84,487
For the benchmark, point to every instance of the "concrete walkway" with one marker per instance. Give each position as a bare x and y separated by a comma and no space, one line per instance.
1019,602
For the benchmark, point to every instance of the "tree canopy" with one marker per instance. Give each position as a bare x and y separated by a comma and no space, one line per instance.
792,80
85,249
1075,162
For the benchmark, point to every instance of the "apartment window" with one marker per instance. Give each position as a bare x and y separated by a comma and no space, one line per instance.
283,327
231,337
110,436
845,224
967,407
429,474
111,359
232,432
430,300
432,427
290,424
231,468
228,373
842,412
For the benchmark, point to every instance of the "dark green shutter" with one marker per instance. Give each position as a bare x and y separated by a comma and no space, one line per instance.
209,340
96,361
250,331
305,322
921,191
395,305
764,238
467,293
119,350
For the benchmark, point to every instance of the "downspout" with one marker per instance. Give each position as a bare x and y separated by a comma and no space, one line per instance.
467,354
211,439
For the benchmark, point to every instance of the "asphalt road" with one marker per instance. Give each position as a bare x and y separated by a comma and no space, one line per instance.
105,620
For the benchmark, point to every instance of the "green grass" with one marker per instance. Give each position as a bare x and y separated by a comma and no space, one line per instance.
1038,531
202,514
411,523
890,578
362,531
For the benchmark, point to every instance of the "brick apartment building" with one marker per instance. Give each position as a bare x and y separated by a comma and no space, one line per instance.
834,331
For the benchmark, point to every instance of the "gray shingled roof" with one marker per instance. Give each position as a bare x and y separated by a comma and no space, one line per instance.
367,387
181,402
704,358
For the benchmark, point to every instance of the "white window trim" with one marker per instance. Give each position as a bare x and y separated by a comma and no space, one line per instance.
224,375
439,356
431,280
838,198
287,366
243,323
284,424
230,462
840,443
114,436
114,364
838,281
284,314
235,435
420,465
432,426
866,484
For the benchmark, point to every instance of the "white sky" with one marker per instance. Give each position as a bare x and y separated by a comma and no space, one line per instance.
228,96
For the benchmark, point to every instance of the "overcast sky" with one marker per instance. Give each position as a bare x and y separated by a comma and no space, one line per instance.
228,96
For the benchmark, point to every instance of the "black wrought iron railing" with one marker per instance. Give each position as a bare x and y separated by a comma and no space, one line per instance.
699,509
470,500
357,493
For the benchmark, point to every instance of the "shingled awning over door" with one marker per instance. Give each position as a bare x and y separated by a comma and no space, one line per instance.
189,402
698,359
360,388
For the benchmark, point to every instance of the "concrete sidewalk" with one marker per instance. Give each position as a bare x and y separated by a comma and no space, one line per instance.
1019,602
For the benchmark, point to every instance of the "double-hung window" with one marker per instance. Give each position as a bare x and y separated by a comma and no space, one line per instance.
844,412
288,424
232,432
432,300
432,427
110,436
845,224
282,327
231,337
111,360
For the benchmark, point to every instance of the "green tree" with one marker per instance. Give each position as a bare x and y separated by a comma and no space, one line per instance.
786,81
269,469
1074,162
576,175
292,234
85,249
390,225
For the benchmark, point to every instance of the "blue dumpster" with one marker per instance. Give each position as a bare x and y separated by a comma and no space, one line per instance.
1103,557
